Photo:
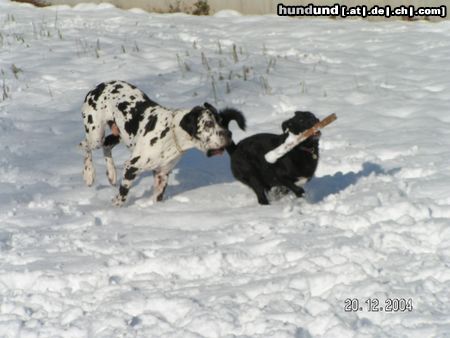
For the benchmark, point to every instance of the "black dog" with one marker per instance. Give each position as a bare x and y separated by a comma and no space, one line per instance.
290,171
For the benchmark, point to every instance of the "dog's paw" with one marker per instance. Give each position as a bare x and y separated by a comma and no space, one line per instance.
89,177
299,192
263,200
118,201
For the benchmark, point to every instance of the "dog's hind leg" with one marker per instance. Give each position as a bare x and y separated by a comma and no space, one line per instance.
110,142
88,169
160,180
259,190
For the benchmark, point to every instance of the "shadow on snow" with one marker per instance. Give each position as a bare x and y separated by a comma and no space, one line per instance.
321,187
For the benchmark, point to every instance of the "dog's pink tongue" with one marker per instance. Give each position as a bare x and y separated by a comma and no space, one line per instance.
216,152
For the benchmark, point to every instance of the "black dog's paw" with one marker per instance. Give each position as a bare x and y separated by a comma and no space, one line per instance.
299,192
263,200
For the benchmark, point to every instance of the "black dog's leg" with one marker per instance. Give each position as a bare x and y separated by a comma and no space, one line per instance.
298,191
259,190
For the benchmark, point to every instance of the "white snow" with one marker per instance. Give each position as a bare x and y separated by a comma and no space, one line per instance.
209,261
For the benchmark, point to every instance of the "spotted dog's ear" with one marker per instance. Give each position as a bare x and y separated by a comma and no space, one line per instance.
189,122
211,108
214,111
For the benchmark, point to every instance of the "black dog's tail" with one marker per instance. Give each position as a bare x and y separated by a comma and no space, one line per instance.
230,114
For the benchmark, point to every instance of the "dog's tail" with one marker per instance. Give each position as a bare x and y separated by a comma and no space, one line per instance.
230,114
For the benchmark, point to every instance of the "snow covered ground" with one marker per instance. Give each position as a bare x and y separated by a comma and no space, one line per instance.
209,261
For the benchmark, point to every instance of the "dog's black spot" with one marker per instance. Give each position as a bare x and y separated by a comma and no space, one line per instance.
132,97
164,132
132,125
151,123
153,141
130,173
141,106
189,122
122,106
134,160
93,128
89,119
137,115
92,103
98,91
111,140
123,191
86,129
116,89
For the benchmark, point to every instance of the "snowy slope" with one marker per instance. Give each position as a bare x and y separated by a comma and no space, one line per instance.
209,261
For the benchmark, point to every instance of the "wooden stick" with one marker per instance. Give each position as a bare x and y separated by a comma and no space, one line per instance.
293,140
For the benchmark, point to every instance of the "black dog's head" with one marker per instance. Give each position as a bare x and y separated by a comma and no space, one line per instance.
302,121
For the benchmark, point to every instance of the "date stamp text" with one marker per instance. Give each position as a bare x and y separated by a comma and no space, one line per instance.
375,305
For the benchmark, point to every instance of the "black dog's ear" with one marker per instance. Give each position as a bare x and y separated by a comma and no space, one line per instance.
211,108
285,126
189,122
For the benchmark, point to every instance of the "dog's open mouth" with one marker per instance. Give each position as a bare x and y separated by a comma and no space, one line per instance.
214,152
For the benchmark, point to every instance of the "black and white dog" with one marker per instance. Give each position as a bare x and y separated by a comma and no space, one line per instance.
156,136
291,171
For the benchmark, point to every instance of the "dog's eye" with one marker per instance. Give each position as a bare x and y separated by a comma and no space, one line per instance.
209,124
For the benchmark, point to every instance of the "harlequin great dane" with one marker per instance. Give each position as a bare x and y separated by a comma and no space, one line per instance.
156,136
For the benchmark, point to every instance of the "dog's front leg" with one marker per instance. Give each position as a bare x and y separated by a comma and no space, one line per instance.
160,180
298,191
132,169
